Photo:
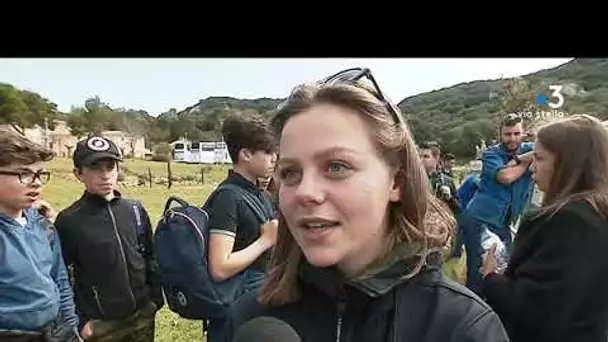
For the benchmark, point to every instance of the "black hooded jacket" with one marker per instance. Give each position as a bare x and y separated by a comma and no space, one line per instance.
384,307
112,260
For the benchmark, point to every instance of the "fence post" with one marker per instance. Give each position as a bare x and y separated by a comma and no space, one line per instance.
169,174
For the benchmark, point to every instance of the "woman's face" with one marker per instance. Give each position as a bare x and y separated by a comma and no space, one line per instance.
335,188
543,166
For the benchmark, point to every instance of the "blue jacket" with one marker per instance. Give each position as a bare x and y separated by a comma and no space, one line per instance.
498,204
468,189
34,283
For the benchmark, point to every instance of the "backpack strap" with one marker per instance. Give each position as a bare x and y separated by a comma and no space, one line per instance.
172,199
253,202
140,225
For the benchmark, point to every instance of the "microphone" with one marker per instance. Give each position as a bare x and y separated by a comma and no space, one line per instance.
266,329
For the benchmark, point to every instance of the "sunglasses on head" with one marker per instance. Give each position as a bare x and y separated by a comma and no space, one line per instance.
355,74
511,119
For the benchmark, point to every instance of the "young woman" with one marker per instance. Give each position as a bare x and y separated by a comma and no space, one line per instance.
555,287
358,252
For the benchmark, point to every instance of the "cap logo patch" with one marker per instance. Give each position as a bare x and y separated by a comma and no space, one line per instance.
98,144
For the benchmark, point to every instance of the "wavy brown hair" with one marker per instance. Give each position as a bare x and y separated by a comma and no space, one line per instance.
579,144
17,149
417,217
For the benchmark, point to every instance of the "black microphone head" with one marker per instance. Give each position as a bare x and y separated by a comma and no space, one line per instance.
266,329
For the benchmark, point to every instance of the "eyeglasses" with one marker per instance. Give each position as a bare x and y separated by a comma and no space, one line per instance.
355,74
29,177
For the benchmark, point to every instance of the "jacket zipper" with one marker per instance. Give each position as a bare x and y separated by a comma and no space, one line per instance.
122,254
340,310
96,296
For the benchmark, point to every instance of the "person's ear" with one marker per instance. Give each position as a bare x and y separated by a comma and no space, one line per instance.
245,154
396,187
78,173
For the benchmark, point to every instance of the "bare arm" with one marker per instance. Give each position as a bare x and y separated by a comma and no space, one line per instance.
223,227
224,263
513,171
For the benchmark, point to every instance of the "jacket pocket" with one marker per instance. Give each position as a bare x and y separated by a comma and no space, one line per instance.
110,301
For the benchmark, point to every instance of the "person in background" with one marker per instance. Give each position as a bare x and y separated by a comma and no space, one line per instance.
504,188
239,243
360,233
536,196
442,185
471,183
264,182
555,288
465,192
108,244
36,299
449,161
270,186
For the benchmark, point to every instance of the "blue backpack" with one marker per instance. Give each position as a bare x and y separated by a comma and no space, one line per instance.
181,241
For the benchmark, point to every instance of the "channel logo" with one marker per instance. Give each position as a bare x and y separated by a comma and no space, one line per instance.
554,101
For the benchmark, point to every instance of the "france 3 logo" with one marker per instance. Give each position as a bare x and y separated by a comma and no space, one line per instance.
555,100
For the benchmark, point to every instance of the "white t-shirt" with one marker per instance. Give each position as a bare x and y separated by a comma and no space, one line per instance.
537,197
22,221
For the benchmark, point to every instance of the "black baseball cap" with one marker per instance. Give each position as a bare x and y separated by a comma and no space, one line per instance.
94,148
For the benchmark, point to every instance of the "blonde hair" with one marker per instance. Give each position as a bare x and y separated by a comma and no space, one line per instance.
418,217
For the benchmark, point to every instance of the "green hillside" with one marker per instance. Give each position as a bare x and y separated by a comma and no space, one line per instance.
456,116
459,115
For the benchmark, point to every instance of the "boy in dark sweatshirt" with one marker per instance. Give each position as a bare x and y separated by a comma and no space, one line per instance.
108,243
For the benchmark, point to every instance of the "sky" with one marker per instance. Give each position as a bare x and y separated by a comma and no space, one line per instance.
156,85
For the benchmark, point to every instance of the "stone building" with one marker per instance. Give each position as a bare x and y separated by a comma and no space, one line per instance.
62,142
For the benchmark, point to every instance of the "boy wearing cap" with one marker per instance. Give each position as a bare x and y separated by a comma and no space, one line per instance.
36,300
107,243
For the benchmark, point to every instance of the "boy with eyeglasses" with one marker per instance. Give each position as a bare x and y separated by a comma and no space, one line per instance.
36,300
107,243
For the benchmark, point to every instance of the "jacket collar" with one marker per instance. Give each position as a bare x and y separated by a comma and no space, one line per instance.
379,279
99,200
238,179
31,215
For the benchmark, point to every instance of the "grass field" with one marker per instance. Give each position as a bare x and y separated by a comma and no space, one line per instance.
63,189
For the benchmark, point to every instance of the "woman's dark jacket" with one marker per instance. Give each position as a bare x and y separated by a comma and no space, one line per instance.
383,307
556,285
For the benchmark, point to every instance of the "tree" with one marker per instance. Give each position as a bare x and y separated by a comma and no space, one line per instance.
422,130
133,122
517,96
40,109
13,111
93,118
23,109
